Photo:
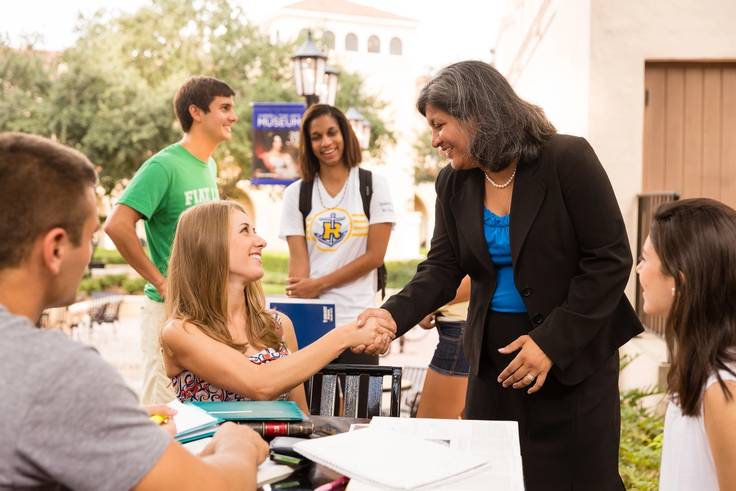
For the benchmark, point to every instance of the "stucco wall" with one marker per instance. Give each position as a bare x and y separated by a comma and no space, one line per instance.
624,35
553,70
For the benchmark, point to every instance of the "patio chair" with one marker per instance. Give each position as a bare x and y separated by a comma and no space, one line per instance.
410,398
362,388
105,309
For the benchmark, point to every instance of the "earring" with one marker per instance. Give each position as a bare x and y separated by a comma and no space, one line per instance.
673,291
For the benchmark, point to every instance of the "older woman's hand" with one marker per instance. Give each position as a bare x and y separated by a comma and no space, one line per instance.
384,320
531,365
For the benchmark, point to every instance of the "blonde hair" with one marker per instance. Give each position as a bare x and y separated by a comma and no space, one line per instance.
196,290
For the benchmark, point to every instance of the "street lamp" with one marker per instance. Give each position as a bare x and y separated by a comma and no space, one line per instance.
309,70
328,93
361,127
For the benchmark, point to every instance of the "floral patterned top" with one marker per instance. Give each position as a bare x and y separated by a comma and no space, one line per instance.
189,387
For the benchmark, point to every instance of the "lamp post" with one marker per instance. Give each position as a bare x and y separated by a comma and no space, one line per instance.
361,126
328,94
309,70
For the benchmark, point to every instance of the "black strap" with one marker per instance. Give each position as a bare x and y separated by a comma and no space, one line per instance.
365,180
305,201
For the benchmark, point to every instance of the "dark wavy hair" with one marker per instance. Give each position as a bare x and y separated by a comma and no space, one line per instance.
308,161
695,240
503,127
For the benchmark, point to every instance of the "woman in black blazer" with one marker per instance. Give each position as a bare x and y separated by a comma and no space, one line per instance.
531,217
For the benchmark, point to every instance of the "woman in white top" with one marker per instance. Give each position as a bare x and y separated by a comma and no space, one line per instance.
338,257
688,273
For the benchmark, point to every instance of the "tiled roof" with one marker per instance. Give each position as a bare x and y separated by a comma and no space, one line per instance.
343,7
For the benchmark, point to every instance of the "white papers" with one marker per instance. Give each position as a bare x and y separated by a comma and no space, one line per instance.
190,418
497,442
389,459
269,471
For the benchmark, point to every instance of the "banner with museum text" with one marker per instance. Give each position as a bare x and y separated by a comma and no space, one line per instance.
276,142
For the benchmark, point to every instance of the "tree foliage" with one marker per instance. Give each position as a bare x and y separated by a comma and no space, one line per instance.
428,163
110,95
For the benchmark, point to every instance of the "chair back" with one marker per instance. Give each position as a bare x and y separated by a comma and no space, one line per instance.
362,388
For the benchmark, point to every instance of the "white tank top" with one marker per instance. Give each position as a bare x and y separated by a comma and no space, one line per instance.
687,462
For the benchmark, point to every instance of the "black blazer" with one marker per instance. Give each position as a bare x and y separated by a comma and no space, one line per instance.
570,256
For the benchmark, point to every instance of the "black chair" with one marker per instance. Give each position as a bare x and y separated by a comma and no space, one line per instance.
362,388
105,309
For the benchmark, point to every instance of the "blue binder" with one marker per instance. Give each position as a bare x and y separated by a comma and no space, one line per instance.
312,318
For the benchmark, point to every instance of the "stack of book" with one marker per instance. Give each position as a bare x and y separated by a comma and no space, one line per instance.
197,420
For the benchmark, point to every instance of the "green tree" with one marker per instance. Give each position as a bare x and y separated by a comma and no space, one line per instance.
428,163
25,82
110,94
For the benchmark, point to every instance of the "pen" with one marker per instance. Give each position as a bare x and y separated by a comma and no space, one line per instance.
285,459
158,419
338,483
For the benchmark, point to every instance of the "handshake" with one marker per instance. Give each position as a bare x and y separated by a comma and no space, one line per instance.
372,333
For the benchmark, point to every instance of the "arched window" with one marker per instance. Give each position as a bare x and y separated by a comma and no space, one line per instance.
328,38
395,48
351,42
374,44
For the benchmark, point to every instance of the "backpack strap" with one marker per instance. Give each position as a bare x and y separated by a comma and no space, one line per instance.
365,180
305,201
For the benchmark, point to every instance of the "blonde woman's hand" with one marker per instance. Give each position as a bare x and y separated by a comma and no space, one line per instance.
385,320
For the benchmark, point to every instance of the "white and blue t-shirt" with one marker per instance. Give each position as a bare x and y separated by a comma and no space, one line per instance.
337,235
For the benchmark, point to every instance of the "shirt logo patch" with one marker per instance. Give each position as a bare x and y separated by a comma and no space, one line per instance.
334,228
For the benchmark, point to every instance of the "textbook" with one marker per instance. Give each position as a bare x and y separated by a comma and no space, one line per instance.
312,318
239,411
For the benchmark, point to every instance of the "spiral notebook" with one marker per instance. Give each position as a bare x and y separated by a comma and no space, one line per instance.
388,458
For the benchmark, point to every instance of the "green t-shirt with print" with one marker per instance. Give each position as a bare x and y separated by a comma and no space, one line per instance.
167,184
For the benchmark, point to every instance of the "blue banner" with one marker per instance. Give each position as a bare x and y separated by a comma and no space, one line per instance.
276,142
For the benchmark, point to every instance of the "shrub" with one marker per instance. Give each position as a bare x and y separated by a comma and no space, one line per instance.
108,256
133,285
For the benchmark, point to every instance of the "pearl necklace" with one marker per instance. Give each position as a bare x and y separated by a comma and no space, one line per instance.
500,186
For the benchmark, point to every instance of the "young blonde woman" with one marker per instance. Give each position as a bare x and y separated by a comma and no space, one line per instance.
688,273
219,343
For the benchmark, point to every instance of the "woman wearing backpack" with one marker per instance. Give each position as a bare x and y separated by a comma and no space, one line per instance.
347,228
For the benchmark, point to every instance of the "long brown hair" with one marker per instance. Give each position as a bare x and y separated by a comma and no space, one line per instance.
308,161
695,240
196,289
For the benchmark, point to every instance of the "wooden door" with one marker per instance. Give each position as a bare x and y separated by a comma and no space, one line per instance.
690,129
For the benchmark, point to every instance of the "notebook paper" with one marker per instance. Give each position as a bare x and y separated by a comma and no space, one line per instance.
189,419
389,459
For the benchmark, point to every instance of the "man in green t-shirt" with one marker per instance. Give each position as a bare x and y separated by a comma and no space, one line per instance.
176,178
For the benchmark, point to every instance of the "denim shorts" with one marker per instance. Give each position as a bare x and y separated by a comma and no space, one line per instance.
449,358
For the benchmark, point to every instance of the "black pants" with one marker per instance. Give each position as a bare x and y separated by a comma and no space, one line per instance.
569,435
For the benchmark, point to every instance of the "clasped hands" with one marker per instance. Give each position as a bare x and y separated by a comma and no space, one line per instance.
385,321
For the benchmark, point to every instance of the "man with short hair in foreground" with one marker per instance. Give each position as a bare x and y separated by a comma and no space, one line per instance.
68,418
